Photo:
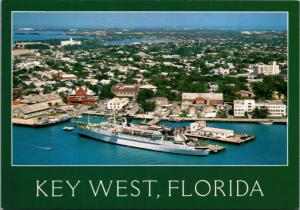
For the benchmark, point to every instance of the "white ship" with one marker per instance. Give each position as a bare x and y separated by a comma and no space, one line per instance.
138,136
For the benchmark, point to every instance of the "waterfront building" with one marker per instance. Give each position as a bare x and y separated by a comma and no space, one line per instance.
276,107
266,69
215,132
82,95
30,111
200,128
70,42
125,90
211,98
117,103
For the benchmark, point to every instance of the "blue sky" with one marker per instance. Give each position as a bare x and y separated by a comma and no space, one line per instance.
223,20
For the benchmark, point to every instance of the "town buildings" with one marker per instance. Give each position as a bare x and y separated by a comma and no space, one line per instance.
149,87
276,107
204,98
70,42
31,111
125,90
215,132
245,93
82,95
266,69
117,103
50,98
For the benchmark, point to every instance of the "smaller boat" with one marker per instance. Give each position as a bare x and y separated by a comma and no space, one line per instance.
66,128
266,123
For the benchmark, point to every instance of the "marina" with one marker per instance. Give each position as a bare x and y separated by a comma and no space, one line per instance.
71,144
200,130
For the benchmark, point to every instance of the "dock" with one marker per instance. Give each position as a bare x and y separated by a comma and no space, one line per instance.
212,148
236,139
34,122
154,121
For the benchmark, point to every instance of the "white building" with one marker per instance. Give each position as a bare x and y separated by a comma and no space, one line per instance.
200,128
266,69
117,103
70,42
276,107
221,71
216,132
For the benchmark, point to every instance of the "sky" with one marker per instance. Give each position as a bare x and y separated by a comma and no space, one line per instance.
220,20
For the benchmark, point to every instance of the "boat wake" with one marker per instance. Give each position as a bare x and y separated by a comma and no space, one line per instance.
43,148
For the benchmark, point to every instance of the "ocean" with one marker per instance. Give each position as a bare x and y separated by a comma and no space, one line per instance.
31,147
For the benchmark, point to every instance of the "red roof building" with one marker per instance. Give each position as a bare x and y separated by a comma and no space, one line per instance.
81,96
245,93
16,102
200,100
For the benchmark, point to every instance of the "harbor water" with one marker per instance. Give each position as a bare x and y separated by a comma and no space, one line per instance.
53,146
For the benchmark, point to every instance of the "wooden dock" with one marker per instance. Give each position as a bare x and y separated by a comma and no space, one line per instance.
236,139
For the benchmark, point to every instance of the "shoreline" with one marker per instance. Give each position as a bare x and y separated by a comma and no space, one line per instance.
186,119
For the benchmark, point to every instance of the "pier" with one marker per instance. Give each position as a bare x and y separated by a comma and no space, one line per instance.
35,122
212,148
154,121
188,119
236,139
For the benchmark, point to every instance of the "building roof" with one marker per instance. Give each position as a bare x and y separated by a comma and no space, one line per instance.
32,99
215,130
275,102
242,102
245,92
125,87
148,86
34,108
206,96
82,91
118,100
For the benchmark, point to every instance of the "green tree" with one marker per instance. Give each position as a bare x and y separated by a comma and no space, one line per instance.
144,94
221,114
148,106
263,112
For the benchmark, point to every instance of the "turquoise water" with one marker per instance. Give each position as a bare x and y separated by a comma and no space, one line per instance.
36,35
30,147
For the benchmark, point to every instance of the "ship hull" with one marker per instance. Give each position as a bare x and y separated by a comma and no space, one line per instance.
115,139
